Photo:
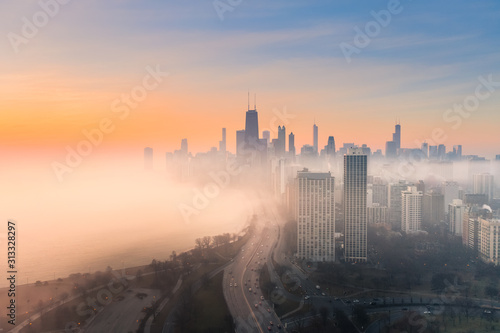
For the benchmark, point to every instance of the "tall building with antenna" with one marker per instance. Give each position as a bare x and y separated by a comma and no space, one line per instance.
252,125
396,136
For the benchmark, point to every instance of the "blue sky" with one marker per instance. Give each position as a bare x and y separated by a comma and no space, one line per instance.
426,59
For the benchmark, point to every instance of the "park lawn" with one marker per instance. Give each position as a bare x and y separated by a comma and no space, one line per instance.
212,312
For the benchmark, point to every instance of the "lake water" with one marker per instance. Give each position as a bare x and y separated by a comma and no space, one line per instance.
100,218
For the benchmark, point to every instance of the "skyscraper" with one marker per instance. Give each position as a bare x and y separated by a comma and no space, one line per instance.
411,210
184,146
396,136
291,145
252,128
391,149
441,152
281,143
330,147
240,142
148,158
425,149
457,152
315,138
222,143
315,215
355,186
433,152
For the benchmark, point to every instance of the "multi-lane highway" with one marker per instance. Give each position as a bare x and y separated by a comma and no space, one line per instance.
250,310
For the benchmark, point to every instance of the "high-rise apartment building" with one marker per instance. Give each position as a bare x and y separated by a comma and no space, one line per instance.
489,240
315,215
355,186
411,210
394,200
456,212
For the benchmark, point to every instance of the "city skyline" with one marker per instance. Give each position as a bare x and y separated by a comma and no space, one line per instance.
407,72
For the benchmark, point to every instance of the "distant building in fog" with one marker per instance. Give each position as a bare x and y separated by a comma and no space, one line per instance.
291,145
433,208
315,138
184,146
148,158
240,142
266,135
484,184
222,143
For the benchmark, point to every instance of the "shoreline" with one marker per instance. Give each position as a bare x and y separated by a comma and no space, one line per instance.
127,269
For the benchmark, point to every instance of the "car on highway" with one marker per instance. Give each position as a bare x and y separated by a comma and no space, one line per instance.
256,305
230,284
307,297
236,285
269,328
261,298
250,289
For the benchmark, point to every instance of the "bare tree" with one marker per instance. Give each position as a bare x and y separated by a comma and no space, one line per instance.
207,242
199,243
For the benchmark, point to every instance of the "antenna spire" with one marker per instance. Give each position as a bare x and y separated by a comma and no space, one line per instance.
248,100
255,101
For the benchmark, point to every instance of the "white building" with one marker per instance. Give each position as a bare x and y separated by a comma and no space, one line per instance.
411,210
456,212
315,215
